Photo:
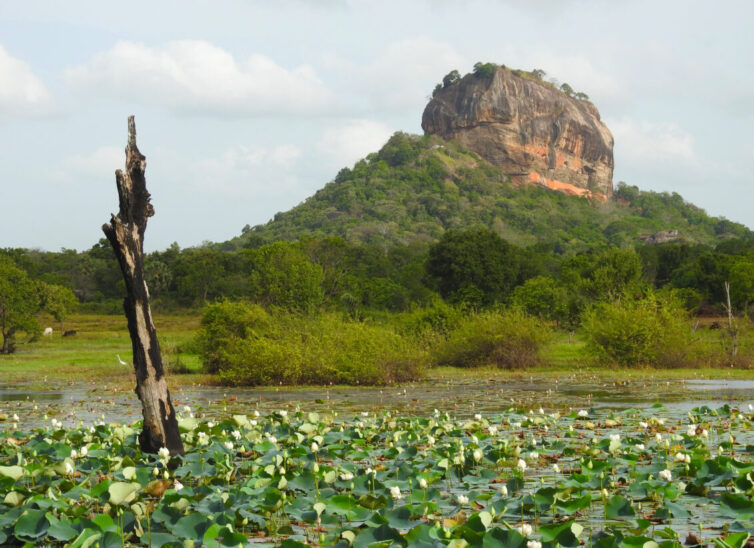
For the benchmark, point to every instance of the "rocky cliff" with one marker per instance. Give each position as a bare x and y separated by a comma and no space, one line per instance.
532,131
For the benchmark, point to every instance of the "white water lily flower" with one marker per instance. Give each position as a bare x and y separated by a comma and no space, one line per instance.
533,544
521,465
463,499
422,483
504,490
236,435
666,475
583,413
395,492
525,529
228,445
177,485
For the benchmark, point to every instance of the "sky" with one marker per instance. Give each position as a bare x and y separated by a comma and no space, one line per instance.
244,108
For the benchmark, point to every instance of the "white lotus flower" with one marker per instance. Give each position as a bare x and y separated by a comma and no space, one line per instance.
68,468
680,457
533,544
395,492
83,451
346,476
691,430
315,447
477,455
163,453
556,468
666,475
430,440
155,472
504,490
525,529
643,424
177,485
615,437
228,445
478,417
210,424
422,483
493,430
583,413
283,413
639,447
236,435
658,437
463,499
533,455
521,465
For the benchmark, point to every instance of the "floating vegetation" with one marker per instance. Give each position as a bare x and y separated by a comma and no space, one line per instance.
519,479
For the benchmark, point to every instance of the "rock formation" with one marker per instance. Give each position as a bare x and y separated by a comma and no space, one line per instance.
531,130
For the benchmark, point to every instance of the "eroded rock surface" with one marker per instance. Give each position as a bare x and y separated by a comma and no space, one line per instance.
532,131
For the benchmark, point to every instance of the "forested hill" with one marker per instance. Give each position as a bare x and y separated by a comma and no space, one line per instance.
415,188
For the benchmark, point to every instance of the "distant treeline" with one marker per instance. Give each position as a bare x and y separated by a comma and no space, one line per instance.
474,268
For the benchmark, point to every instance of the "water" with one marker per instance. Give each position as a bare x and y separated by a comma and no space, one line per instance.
461,397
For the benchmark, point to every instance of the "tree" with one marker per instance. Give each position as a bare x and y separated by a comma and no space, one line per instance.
282,275
565,88
581,96
539,74
125,232
474,267
484,70
451,78
56,300
19,302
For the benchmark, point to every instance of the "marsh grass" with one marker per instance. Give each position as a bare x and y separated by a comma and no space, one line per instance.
90,354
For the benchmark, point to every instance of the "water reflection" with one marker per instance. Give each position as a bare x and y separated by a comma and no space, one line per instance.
460,397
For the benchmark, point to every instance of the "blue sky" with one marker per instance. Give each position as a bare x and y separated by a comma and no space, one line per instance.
245,108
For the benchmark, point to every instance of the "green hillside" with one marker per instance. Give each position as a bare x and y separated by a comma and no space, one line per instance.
415,188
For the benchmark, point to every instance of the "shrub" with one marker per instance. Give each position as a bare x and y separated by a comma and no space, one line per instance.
653,331
507,340
246,346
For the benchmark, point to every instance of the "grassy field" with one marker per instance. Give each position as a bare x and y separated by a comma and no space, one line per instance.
90,355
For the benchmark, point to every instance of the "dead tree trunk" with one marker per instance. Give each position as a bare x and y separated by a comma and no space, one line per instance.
126,234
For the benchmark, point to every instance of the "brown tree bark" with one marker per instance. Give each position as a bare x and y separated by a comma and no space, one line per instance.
126,234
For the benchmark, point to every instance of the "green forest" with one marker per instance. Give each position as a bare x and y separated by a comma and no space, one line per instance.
420,255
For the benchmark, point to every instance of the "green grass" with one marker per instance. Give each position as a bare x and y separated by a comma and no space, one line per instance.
91,353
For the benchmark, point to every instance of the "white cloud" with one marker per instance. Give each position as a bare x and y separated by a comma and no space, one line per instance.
646,141
248,171
21,92
346,144
197,76
580,72
105,160
403,76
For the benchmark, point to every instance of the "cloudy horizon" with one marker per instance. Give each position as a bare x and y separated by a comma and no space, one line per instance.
246,109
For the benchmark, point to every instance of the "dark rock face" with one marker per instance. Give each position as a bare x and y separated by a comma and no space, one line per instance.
532,131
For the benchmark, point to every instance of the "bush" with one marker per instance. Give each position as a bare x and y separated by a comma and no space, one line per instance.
507,340
246,346
653,331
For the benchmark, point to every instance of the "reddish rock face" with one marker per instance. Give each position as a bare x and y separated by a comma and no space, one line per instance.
532,131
